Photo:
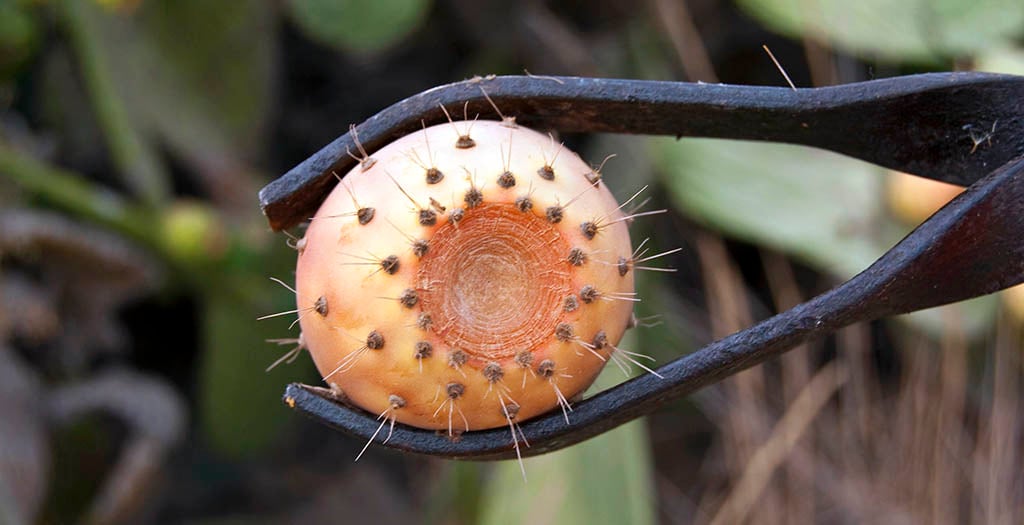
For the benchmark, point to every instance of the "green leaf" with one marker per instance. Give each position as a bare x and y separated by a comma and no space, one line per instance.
905,30
821,207
19,37
204,97
357,25
608,479
240,404
137,160
214,85
817,205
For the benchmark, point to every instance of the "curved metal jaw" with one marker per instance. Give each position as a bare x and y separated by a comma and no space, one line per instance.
954,127
971,247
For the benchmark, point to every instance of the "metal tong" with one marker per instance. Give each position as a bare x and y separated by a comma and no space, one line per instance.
963,128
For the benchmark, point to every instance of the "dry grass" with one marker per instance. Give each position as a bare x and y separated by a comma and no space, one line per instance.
937,440
940,439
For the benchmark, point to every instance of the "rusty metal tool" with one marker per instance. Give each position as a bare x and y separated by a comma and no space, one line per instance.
964,128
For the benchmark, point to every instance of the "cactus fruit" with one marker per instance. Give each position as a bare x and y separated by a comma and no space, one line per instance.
468,276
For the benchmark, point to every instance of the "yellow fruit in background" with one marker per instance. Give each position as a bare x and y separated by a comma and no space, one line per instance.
192,232
913,199
1014,300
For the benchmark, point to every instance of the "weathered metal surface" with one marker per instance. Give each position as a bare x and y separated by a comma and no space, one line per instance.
954,127
934,125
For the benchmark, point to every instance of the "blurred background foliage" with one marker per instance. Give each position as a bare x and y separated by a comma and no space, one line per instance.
134,135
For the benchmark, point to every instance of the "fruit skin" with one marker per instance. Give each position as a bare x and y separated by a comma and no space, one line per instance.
495,285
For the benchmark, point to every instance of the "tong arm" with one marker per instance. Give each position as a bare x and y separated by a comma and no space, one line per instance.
954,127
